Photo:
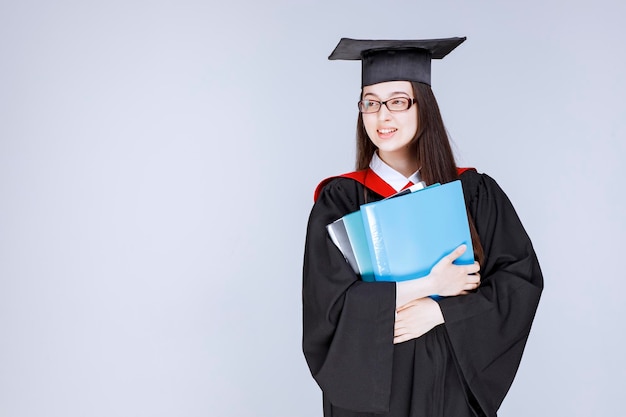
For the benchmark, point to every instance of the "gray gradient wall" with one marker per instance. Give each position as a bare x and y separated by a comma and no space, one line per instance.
157,164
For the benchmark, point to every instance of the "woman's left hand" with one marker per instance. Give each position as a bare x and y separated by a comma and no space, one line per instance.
416,318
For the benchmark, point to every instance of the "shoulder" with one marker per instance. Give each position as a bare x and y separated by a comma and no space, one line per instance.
349,178
479,185
339,188
481,190
335,197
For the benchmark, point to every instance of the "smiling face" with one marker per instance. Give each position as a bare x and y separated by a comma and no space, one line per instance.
392,132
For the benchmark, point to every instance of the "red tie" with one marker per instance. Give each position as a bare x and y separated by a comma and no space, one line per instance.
409,184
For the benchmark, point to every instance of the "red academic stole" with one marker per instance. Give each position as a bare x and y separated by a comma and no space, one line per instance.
370,180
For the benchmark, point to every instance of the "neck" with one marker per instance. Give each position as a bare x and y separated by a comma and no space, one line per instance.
404,164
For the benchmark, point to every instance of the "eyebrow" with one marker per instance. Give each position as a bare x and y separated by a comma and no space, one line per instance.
392,95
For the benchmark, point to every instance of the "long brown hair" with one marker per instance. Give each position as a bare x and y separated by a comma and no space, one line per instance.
434,152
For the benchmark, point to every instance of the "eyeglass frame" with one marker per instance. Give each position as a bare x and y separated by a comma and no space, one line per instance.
411,100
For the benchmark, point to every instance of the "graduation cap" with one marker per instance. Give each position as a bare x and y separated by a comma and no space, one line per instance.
394,60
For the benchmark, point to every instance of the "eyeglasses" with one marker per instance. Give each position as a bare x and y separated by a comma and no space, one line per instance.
394,104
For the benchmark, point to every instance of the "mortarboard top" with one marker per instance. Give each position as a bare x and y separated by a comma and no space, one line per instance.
394,60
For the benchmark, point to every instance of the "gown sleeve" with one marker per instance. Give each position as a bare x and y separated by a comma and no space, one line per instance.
347,323
488,329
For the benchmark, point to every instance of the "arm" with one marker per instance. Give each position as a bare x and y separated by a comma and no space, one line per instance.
347,323
488,329
445,279
417,314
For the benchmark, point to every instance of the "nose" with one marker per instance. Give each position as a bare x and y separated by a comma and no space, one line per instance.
384,113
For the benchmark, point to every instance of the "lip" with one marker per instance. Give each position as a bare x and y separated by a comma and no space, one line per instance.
386,132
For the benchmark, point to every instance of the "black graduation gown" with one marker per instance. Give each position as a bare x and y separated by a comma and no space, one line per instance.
463,367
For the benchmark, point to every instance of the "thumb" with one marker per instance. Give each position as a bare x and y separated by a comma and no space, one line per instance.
452,256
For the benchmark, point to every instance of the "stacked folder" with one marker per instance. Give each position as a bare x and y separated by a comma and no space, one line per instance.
403,236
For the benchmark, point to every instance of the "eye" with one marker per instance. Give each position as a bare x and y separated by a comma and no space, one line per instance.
398,102
369,106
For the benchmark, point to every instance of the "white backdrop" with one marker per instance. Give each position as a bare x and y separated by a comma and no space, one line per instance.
157,165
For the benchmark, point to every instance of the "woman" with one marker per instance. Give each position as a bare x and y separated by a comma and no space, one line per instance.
388,349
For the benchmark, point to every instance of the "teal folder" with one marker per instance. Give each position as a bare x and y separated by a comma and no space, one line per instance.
358,239
403,237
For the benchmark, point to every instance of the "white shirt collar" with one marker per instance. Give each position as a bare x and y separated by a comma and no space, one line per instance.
390,175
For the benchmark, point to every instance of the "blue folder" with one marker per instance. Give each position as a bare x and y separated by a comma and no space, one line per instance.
408,235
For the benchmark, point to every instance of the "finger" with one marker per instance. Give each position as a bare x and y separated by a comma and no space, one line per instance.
452,256
474,268
399,333
471,286
471,269
412,303
404,307
400,339
399,327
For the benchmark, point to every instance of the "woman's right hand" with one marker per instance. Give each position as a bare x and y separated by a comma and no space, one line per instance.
445,279
449,279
